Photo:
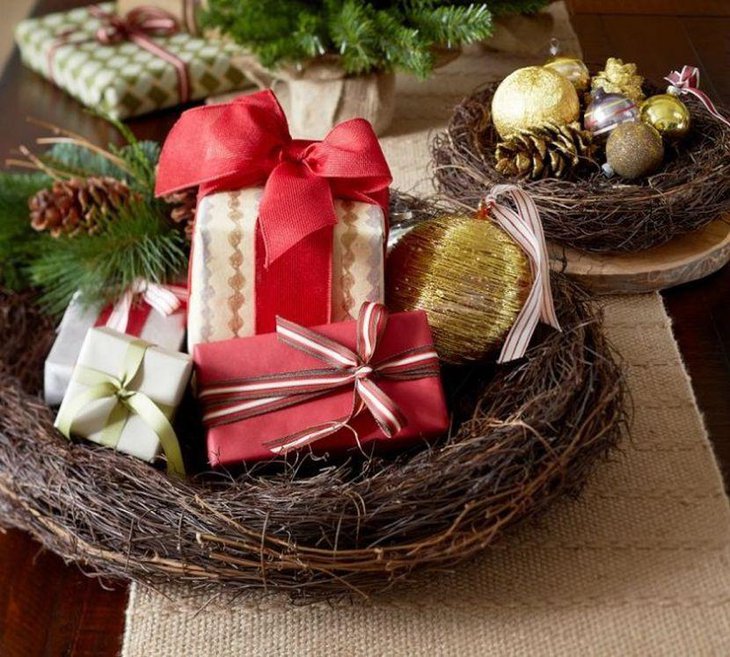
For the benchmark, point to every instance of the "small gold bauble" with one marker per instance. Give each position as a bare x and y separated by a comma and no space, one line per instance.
531,97
634,150
667,114
469,276
572,68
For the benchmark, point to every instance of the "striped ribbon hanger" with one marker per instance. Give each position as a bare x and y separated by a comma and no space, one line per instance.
687,81
225,402
524,226
165,299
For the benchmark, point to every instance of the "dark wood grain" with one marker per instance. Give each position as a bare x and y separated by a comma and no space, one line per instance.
48,609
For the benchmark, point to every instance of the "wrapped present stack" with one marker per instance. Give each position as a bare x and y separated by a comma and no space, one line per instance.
293,347
127,64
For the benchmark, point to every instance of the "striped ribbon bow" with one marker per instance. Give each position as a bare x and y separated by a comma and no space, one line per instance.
165,299
231,401
138,26
524,226
687,81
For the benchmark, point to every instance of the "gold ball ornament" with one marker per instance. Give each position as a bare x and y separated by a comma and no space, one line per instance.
571,68
532,96
634,150
667,114
469,277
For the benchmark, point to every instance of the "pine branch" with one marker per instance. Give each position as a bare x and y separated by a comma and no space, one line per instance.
453,26
368,36
137,243
18,240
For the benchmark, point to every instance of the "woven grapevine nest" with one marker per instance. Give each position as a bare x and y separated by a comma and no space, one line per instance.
592,212
522,436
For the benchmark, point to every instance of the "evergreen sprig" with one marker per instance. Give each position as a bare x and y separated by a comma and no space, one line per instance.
17,238
367,36
137,243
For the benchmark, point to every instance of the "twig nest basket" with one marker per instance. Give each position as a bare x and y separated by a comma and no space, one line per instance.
592,212
522,436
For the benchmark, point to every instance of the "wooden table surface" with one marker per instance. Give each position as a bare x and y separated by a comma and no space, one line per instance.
50,609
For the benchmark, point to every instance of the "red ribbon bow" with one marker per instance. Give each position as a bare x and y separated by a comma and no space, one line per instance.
246,143
231,401
138,26
687,81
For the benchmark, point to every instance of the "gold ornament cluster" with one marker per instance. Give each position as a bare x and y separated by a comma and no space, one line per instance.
537,112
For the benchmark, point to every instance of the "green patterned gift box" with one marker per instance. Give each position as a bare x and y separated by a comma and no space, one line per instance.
122,78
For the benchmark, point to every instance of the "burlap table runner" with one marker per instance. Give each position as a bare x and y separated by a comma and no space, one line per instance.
637,566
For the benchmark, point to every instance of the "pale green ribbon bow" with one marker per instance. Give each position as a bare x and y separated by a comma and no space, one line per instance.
128,401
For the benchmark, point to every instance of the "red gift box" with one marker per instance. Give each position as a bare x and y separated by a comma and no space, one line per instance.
396,377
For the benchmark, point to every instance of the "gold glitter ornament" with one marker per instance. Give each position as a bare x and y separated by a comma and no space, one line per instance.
532,96
634,150
469,276
619,78
571,68
667,114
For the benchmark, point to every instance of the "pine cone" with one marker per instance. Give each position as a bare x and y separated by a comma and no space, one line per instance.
550,151
619,78
184,204
70,207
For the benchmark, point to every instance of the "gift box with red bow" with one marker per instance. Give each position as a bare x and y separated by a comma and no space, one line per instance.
127,64
370,382
284,226
154,313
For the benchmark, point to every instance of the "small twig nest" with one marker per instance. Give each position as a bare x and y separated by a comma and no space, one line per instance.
592,212
522,436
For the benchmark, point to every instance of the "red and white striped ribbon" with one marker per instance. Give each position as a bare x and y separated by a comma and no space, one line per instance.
687,81
524,226
231,401
165,299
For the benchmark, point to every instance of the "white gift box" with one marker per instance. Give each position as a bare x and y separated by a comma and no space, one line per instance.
163,377
167,332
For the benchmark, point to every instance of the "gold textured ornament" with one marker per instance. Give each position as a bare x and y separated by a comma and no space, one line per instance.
572,68
667,114
532,96
634,150
469,276
619,78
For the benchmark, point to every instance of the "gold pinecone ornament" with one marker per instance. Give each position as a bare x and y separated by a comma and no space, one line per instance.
77,205
183,205
552,151
619,78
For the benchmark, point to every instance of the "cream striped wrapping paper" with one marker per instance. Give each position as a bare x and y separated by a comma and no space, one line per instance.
222,301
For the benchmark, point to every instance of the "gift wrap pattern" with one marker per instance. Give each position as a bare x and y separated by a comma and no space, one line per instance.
124,79
223,266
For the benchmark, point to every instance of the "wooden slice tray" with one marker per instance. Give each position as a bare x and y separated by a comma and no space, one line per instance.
685,258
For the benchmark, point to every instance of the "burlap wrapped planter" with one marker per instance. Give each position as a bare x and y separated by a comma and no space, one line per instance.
592,212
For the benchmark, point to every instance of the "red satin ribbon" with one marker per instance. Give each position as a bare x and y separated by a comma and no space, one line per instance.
246,143
138,26
232,401
138,315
